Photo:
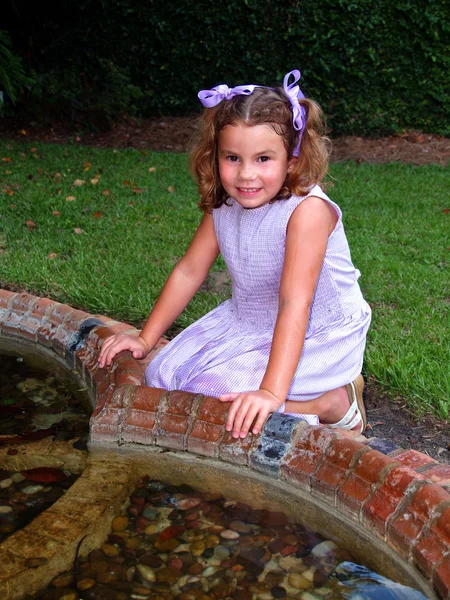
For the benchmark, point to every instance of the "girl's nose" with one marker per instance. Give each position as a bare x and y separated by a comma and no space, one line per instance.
247,171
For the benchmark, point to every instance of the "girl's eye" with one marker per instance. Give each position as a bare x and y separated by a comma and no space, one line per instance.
263,158
232,158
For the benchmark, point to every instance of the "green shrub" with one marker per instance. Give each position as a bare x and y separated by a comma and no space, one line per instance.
376,66
12,76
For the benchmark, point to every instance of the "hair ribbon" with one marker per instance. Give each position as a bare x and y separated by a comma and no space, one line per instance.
214,96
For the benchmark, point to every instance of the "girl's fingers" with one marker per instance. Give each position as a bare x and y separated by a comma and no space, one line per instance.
228,397
232,413
260,422
247,421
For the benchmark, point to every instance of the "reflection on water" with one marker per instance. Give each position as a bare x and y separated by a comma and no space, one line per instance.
25,494
36,402
176,542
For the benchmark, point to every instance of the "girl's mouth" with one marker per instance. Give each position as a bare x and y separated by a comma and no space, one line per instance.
249,190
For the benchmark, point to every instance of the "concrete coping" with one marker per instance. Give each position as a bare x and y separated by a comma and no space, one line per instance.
399,499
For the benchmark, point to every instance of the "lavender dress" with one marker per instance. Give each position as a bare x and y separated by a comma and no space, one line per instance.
227,350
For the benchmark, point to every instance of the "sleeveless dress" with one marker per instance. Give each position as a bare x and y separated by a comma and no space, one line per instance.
228,349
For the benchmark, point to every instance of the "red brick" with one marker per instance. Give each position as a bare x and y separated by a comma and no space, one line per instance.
124,328
237,451
180,403
5,301
441,579
388,497
439,473
172,430
433,545
147,398
205,438
307,454
139,427
20,305
23,302
405,528
129,372
34,320
340,455
412,458
55,317
5,297
65,334
84,355
212,410
98,335
370,471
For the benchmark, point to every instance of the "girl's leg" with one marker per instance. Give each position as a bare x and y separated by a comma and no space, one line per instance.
332,406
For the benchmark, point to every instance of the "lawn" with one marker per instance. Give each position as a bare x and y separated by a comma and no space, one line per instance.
100,229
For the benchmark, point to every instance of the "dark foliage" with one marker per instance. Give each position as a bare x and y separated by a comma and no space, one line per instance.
376,66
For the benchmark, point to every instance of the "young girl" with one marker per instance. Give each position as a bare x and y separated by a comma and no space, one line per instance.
292,337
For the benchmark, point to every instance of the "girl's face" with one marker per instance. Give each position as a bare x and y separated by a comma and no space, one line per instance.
253,163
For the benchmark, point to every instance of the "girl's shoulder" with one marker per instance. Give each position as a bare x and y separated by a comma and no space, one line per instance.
316,191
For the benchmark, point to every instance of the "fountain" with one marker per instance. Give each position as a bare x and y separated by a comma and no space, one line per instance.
391,510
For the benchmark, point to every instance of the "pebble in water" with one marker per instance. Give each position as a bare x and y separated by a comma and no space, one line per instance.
29,490
204,549
188,503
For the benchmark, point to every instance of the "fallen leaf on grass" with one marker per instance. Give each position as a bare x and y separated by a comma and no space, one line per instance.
78,182
170,188
97,214
95,180
78,231
152,169
57,175
6,159
30,224
137,190
52,255
23,132
56,213
106,192
446,210
10,192
70,198
87,166
33,150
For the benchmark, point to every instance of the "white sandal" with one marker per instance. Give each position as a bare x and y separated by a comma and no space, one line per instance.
356,413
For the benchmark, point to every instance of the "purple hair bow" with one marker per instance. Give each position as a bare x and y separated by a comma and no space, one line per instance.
214,96
210,98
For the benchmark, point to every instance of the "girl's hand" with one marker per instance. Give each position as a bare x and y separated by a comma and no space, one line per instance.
248,406
119,342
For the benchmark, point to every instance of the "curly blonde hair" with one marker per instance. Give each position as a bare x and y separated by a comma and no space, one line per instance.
264,105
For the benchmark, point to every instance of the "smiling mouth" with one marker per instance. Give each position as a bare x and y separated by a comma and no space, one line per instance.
248,190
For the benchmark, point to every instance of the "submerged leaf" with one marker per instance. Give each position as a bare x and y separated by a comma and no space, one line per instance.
44,474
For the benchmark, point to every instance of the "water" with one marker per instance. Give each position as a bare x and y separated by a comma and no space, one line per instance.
35,403
176,542
25,494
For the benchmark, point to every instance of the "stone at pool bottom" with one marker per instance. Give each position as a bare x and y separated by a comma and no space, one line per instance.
190,545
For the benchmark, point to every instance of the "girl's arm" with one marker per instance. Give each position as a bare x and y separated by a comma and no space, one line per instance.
183,282
306,240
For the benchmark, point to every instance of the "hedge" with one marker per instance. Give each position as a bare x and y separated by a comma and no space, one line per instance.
376,66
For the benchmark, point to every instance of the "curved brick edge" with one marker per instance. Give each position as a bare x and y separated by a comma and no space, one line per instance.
401,496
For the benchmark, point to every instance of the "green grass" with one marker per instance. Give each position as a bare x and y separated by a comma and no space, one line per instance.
134,229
